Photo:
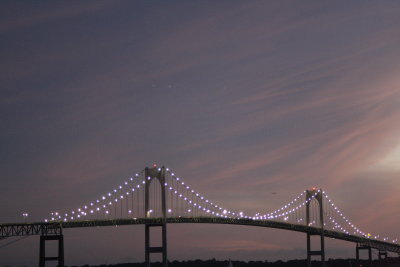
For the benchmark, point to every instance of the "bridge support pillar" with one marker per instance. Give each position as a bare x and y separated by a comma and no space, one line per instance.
363,247
158,174
382,256
42,252
162,249
320,252
319,197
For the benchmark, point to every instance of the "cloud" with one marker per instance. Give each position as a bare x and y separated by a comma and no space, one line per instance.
240,101
33,14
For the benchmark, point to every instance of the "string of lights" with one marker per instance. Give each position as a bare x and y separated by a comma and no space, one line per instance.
354,229
100,203
217,209
182,200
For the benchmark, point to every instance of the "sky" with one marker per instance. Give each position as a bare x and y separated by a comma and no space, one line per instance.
250,102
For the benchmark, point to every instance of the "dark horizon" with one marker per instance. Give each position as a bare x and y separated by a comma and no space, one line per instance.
237,263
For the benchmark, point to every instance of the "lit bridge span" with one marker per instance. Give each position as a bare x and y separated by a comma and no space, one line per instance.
170,200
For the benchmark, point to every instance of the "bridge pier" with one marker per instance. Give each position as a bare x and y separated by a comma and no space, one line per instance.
363,247
162,249
382,256
150,174
42,252
320,252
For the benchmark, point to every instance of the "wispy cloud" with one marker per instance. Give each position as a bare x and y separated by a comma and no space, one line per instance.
32,14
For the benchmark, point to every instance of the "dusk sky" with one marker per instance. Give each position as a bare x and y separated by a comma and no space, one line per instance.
250,102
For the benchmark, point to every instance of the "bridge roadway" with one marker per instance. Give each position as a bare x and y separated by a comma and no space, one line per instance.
51,228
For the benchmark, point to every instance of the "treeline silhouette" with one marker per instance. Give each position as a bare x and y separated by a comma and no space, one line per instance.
225,263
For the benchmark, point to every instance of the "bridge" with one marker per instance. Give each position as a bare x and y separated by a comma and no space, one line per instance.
156,197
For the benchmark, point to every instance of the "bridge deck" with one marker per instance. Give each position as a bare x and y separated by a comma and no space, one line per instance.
49,228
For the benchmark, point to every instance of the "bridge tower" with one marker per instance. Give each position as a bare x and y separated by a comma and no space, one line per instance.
159,175
318,195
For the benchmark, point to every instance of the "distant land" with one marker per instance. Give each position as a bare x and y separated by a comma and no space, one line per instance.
390,262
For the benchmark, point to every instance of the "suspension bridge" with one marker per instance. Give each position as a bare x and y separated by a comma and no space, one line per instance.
156,197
